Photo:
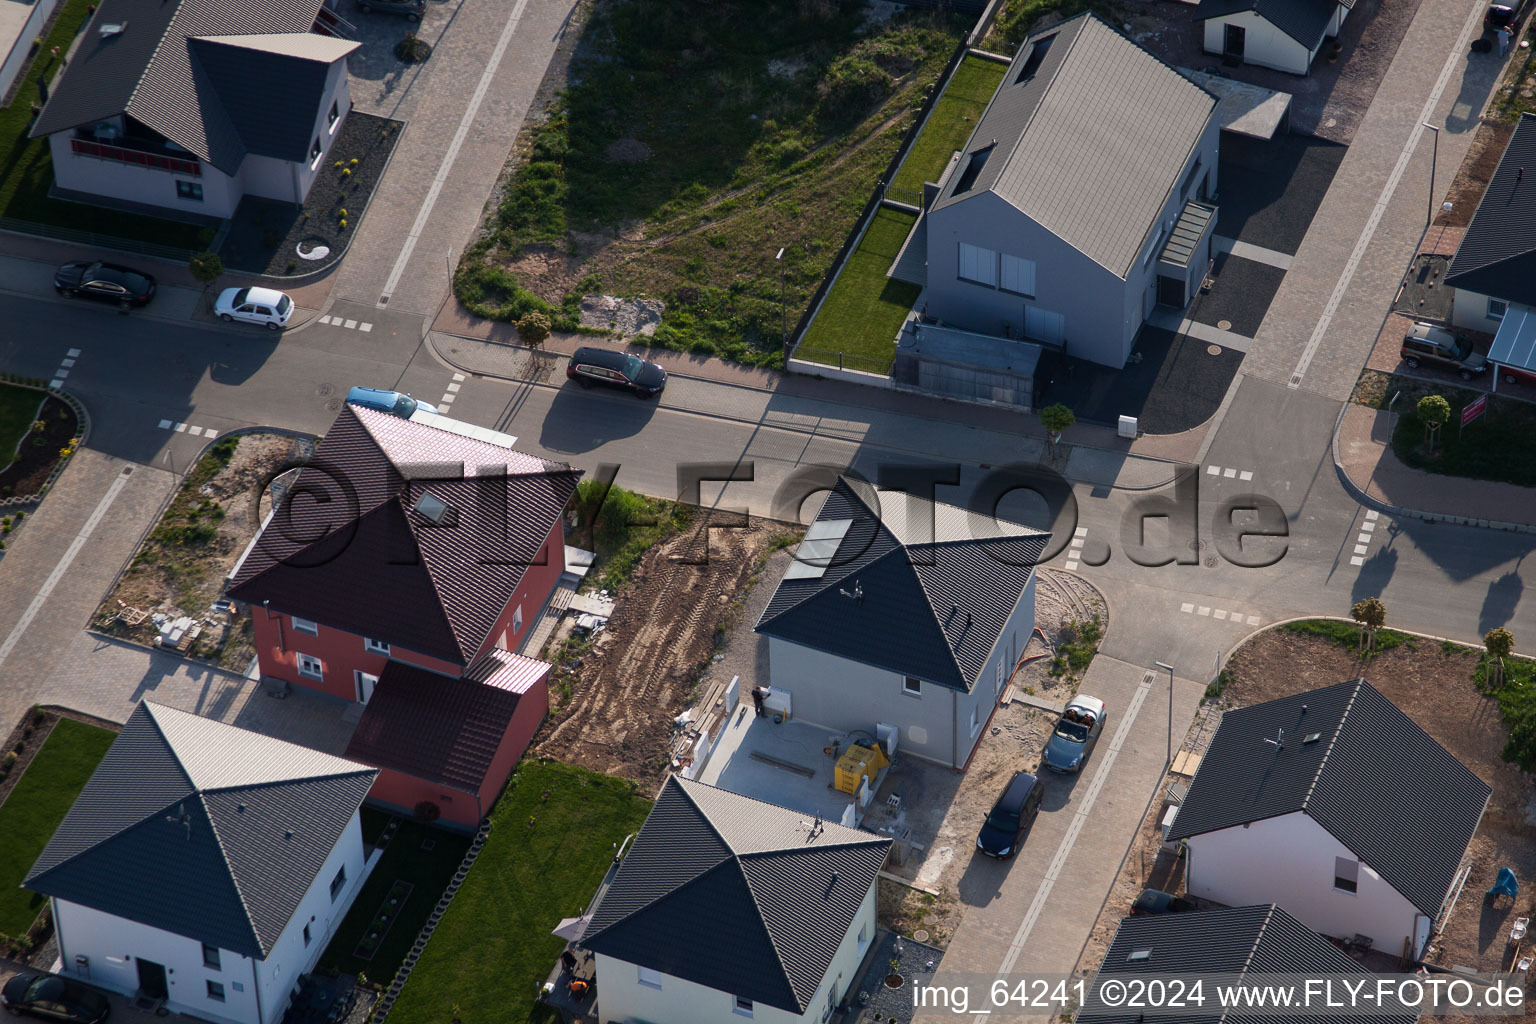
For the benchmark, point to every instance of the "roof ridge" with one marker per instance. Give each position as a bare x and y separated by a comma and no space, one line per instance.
229,871
1322,765
295,781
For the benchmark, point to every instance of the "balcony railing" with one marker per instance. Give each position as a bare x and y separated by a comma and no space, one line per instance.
132,156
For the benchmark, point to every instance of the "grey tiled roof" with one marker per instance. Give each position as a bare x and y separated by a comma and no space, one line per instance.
777,900
1497,255
1302,20
158,74
201,829
933,610
1091,145
381,569
1245,941
1376,781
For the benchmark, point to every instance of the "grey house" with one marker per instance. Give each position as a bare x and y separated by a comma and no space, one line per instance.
902,612
1082,200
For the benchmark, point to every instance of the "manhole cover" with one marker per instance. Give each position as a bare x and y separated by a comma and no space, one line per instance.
921,935
325,389
1213,350
1333,122
1224,325
1196,545
334,405
1211,561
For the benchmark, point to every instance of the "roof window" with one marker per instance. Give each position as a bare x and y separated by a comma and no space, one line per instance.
431,507
973,167
1037,53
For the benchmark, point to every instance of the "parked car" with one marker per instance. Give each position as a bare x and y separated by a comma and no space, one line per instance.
397,402
1505,15
1075,735
412,9
105,282
1426,343
1155,901
254,306
1003,832
590,366
54,998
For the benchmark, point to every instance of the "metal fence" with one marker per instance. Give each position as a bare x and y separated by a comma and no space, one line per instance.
844,361
63,234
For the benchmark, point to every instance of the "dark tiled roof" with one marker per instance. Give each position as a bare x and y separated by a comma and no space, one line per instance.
1245,941
148,72
383,570
778,900
1497,255
1302,20
1376,781
267,83
930,610
439,728
201,829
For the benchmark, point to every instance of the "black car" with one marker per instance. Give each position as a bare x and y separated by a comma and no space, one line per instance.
412,9
106,282
1003,832
1505,15
54,998
618,369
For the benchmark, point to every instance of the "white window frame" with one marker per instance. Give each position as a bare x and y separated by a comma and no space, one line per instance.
912,686
974,261
375,647
648,977
333,117
863,939
975,721
1502,313
741,1006
305,626
317,152
1343,868
303,662
339,883
1023,282
517,620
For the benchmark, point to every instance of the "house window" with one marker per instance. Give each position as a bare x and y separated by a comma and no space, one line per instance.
1346,874
742,1007
912,686
189,190
314,153
975,723
375,647
306,935
310,667
650,978
1189,179
517,620
216,991
335,115
211,956
1497,308
305,626
978,265
998,689
863,939
337,882
1018,276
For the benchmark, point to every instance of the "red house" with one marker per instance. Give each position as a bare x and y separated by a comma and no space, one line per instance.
403,569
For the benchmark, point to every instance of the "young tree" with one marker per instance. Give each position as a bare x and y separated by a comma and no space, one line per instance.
1500,642
1433,411
1056,419
533,328
1371,613
206,267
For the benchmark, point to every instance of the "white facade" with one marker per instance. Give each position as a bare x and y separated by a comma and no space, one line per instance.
104,950
1475,311
1291,861
1263,43
622,998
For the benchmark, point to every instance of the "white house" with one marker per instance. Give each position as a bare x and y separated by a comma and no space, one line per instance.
1336,806
903,612
190,105
726,907
204,867
1282,34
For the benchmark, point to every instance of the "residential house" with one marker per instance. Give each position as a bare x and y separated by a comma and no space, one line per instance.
1335,805
1250,946
1082,200
1494,270
1286,35
404,563
902,612
190,105
204,867
788,905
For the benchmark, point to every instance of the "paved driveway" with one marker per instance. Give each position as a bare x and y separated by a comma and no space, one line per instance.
1271,190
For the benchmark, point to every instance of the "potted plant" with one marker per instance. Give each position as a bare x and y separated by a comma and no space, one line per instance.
894,979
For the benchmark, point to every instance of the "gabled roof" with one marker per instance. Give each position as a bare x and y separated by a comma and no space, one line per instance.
899,595
201,829
381,568
1376,781
776,893
440,728
1302,20
173,68
1088,141
1497,255
1250,942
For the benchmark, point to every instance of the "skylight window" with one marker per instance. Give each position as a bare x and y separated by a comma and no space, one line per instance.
1140,954
431,507
973,167
1037,54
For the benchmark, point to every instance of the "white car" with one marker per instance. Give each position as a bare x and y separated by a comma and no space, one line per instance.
254,306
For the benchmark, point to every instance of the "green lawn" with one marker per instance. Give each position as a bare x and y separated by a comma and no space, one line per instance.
18,409
36,806
428,871
26,169
1500,445
954,116
864,310
551,841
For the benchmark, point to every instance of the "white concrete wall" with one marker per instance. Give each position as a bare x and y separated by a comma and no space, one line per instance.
1289,860
1264,44
1469,310
113,944
621,999
133,183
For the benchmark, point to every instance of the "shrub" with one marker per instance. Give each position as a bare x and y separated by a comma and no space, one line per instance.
533,328
206,267
491,292
852,85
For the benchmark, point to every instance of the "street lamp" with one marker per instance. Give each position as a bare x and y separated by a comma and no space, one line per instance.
1434,156
783,318
1169,670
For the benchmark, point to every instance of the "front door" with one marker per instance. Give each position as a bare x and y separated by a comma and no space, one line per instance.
365,684
1235,39
152,979
1170,291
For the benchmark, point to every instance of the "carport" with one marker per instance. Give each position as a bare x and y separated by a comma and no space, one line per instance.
1514,347
1245,109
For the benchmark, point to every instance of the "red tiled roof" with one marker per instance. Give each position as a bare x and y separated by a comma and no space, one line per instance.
349,550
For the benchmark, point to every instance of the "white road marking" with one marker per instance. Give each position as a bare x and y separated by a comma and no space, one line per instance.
1245,475
453,388
365,328
56,383
350,324
1368,525
1213,470
1357,560
1203,610
68,362
195,431
165,424
73,353
1253,620
1186,608
325,319
1219,614
447,400
459,377
1372,515
1229,473
181,428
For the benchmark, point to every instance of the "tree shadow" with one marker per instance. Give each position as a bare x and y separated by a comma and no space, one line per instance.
1500,601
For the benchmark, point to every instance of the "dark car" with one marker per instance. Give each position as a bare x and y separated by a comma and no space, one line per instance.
1077,732
617,369
1426,343
1003,832
1505,15
412,9
106,282
54,998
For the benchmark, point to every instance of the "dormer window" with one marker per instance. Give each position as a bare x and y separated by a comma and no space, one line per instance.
431,507
1037,54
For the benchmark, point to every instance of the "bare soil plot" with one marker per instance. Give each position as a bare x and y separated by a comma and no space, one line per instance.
1476,171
